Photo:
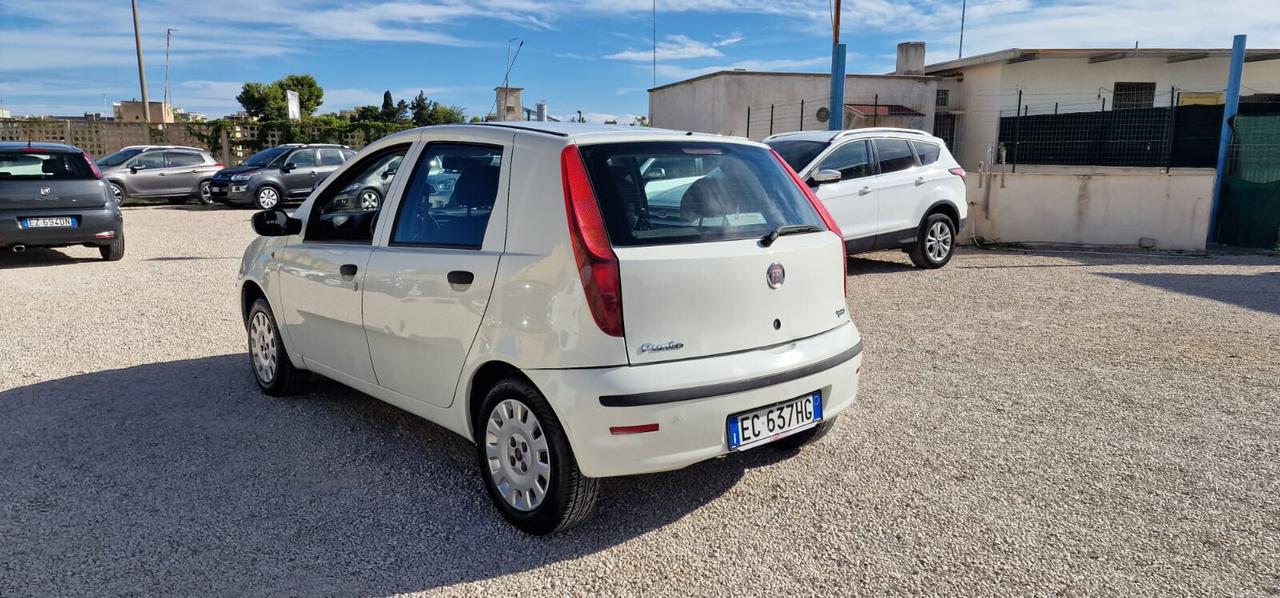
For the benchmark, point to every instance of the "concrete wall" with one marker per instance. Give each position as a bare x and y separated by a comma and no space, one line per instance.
718,103
1103,206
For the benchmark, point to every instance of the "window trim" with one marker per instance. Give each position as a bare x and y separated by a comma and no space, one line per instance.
334,184
423,155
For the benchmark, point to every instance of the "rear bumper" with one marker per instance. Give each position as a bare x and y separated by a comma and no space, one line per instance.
678,396
92,222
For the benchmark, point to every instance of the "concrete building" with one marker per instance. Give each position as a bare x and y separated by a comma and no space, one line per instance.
509,104
757,104
131,111
974,92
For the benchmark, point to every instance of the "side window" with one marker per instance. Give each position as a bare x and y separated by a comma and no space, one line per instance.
449,199
302,158
928,152
347,154
177,159
331,157
347,210
149,160
850,159
894,155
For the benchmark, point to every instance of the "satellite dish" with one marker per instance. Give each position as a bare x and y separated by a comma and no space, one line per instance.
823,114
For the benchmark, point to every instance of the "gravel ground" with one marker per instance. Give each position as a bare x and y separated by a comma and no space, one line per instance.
1030,423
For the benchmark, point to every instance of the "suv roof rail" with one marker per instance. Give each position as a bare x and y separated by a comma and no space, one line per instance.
848,132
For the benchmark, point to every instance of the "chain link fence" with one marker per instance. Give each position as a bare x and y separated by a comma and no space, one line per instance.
814,114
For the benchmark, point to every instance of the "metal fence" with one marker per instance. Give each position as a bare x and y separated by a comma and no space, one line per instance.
1156,130
813,114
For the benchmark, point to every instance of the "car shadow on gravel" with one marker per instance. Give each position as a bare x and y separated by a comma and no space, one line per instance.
175,477
1260,292
37,257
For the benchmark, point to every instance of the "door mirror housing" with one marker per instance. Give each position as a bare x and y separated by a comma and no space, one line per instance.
654,174
134,168
275,223
288,167
823,177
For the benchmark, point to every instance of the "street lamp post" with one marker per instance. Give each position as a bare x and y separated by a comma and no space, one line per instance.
142,71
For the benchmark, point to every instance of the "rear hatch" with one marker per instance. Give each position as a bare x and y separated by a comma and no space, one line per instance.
39,178
688,222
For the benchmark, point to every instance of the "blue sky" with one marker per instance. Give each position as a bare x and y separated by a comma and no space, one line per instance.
73,56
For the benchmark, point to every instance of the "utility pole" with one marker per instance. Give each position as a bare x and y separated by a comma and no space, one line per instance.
963,5
836,118
168,36
142,71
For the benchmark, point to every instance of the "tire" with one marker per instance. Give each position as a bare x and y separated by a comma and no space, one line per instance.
267,197
115,251
268,358
369,198
521,448
935,242
118,190
809,436
204,194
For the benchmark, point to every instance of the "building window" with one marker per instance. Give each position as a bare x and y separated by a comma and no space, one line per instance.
1133,95
944,97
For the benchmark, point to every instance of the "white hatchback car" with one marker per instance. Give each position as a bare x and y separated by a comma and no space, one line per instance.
581,302
887,188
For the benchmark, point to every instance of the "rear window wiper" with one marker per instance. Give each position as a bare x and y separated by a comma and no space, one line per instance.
787,229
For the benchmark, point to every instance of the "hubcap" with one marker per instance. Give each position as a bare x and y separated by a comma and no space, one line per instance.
518,456
937,243
117,191
368,200
267,197
263,348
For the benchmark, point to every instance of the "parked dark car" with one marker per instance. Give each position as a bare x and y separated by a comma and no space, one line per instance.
53,195
275,175
172,172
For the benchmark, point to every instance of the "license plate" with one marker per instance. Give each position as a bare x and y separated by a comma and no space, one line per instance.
54,222
753,428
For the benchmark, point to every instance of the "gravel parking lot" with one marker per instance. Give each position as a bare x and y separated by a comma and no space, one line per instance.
1030,423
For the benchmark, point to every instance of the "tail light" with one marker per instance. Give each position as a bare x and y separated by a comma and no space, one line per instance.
597,264
822,211
956,171
218,165
97,173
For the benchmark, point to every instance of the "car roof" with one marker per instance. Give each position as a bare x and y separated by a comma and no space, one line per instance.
49,145
583,132
853,133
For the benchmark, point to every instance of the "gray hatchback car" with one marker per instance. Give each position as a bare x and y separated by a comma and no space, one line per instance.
172,172
53,195
278,174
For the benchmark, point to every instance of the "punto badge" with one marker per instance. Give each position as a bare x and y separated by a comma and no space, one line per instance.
775,275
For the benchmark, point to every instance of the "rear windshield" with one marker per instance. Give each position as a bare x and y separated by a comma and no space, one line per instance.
798,153
119,157
662,193
50,166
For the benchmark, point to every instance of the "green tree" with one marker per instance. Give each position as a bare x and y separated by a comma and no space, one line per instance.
267,101
426,112
368,113
402,112
420,108
388,107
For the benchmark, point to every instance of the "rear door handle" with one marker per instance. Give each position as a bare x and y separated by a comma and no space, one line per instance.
920,181
461,277
864,191
348,270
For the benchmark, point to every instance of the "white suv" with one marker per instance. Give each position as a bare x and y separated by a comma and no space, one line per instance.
887,188
581,302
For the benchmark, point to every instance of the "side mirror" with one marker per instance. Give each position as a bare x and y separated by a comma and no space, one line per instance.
136,167
288,167
654,174
824,176
275,223
388,174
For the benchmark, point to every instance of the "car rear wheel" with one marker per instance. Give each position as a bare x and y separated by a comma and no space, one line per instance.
118,191
369,199
935,243
268,358
115,250
267,198
527,464
204,193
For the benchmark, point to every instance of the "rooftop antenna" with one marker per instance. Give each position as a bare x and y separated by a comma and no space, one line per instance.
168,36
506,78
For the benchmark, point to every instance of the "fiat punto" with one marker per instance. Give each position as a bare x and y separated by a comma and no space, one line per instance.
580,302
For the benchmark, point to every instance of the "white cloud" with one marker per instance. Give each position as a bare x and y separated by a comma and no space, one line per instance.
673,47
728,41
